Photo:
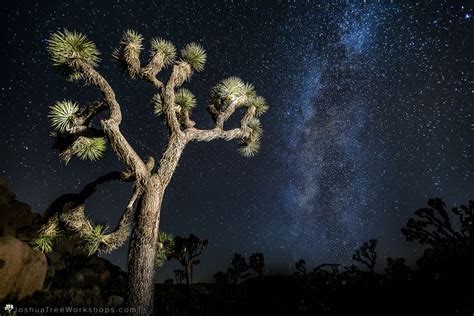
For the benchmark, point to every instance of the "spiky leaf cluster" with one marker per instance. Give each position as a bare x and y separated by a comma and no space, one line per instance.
250,146
185,99
157,102
165,246
95,238
260,105
256,129
43,243
194,55
229,90
249,149
89,148
164,47
62,115
75,76
130,37
66,46
45,239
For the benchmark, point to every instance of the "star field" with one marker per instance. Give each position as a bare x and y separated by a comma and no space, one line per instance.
370,115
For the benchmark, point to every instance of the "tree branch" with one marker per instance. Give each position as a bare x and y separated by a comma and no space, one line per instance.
194,134
111,125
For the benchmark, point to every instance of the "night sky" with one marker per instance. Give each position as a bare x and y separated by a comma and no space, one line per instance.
371,113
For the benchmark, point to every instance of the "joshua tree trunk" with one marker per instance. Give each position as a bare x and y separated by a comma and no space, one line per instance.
191,273
142,251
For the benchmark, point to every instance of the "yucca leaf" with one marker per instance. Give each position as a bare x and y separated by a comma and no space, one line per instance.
185,99
74,76
256,127
45,239
157,104
43,243
62,115
165,246
95,238
260,105
164,47
89,148
194,55
230,88
249,148
66,46
130,37
249,91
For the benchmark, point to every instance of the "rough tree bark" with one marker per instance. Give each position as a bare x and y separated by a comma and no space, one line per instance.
142,250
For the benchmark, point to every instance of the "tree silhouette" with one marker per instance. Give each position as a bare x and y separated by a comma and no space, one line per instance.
77,58
186,251
239,269
367,255
257,263
300,267
451,244
433,226
179,275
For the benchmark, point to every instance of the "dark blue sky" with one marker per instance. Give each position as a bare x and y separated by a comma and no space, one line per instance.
370,115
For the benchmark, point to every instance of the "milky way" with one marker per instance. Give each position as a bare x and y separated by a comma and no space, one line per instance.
329,183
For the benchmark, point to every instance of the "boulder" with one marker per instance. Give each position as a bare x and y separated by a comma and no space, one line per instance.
13,214
22,269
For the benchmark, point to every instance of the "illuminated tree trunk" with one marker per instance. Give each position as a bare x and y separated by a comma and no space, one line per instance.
142,250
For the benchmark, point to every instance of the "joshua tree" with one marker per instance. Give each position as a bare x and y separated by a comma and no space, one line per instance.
77,134
186,251
367,254
257,263
239,269
449,236
433,225
179,275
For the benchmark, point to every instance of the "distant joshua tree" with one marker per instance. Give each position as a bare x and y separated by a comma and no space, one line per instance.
77,134
257,263
186,251
239,269
179,276
367,254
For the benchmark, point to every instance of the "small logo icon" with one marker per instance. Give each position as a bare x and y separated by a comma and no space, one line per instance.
9,308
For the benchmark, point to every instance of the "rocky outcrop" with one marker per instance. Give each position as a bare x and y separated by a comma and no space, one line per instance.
66,276
22,270
14,215
84,281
